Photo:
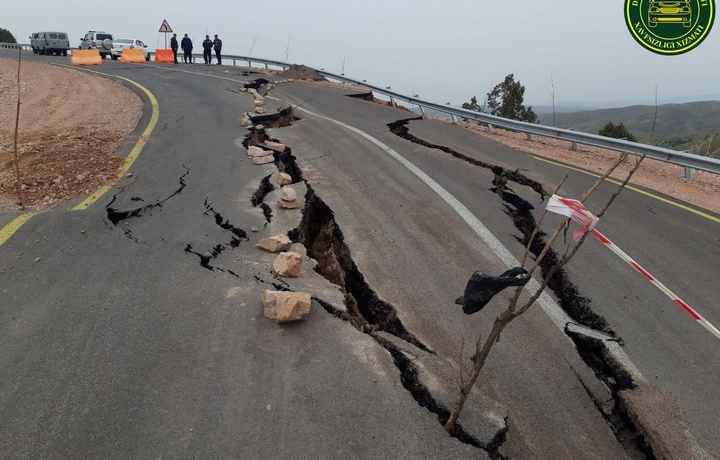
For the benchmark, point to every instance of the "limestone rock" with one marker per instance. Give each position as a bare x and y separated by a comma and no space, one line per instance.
284,307
260,110
263,160
259,102
245,121
275,146
275,243
255,151
295,204
288,193
283,179
288,264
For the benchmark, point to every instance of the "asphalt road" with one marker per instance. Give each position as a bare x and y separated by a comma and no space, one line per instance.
116,342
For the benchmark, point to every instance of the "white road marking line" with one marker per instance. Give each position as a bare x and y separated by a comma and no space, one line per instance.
556,314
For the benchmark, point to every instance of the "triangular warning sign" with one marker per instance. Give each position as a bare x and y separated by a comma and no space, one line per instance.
165,27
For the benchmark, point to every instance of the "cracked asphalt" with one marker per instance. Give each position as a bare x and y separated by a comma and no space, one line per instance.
134,329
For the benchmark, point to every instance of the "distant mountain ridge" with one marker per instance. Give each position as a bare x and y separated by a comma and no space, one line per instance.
677,126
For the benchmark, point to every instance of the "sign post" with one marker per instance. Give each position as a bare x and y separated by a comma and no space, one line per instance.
166,29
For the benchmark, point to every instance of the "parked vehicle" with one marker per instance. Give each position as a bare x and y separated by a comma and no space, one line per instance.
97,40
50,43
121,44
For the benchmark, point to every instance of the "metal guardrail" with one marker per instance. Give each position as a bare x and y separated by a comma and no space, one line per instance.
687,160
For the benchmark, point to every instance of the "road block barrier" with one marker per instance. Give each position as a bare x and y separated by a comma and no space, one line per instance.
162,55
132,55
85,57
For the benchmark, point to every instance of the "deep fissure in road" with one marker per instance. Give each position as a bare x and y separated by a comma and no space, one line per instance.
324,242
592,351
400,129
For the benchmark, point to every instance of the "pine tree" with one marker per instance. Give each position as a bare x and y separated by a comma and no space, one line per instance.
506,100
617,132
6,36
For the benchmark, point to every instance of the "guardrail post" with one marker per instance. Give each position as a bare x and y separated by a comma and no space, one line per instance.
392,101
266,66
688,174
491,128
452,115
574,146
422,110
529,136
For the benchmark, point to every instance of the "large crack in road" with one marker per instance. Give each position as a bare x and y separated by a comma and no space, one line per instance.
593,351
365,310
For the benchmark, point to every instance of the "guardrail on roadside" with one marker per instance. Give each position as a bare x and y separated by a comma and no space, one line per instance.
688,160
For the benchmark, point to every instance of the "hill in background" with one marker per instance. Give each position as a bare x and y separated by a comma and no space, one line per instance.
691,126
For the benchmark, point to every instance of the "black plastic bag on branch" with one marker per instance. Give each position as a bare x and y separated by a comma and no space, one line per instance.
481,288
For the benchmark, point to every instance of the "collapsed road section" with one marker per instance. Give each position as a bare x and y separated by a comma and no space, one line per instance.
367,312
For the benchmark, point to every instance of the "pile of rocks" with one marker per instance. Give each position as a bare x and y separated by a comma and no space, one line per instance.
284,306
259,104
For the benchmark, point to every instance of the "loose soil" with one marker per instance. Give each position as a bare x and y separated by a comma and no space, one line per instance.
301,72
70,125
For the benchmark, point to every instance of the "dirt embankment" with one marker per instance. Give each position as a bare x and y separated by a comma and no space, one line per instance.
70,124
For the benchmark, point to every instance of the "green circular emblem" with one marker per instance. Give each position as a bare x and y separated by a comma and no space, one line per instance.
669,26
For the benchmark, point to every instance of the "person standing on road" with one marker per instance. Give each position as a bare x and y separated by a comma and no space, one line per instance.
217,45
207,49
174,46
187,47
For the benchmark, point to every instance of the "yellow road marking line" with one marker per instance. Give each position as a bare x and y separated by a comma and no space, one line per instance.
7,231
634,189
139,145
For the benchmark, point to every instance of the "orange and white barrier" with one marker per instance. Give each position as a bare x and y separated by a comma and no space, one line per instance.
85,57
164,55
132,55
577,211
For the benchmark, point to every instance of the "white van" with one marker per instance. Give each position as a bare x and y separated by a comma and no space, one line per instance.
50,42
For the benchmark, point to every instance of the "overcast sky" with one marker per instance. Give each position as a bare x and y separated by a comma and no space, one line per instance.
447,51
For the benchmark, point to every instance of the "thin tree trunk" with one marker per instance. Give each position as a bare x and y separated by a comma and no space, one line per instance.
17,123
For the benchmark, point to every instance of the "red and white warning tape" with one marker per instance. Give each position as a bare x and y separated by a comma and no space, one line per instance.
577,211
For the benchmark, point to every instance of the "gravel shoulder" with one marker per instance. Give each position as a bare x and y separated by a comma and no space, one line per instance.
70,124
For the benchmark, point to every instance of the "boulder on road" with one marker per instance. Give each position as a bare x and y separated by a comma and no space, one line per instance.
275,146
255,151
284,306
294,204
263,160
283,179
275,243
288,264
288,193
260,110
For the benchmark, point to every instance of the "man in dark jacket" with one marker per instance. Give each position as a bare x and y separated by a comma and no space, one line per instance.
207,49
174,46
187,47
217,46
